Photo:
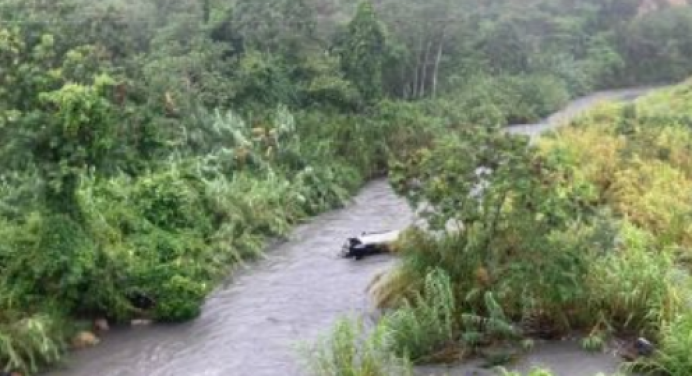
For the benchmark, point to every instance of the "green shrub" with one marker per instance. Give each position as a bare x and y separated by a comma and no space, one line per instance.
180,298
19,194
50,256
482,100
153,244
321,188
168,200
487,101
530,98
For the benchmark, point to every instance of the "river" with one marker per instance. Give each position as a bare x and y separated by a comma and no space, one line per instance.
251,325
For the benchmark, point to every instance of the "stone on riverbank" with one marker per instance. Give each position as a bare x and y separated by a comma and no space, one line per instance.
84,339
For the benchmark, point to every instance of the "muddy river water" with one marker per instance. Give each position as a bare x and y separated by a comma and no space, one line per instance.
252,325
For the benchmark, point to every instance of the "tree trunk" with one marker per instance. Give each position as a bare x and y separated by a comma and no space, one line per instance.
424,69
416,70
404,82
436,69
206,11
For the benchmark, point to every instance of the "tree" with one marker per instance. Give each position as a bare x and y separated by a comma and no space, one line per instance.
363,51
206,11
275,26
76,138
56,119
428,31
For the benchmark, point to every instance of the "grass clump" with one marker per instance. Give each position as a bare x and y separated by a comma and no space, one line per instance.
350,349
29,343
674,358
424,327
636,286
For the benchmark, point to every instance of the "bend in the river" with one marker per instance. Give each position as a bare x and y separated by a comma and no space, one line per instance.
250,327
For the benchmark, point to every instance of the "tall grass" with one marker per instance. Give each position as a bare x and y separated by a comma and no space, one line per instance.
675,355
495,325
29,343
350,349
425,327
637,286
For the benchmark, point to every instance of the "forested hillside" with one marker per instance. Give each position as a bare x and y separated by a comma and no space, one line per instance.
149,146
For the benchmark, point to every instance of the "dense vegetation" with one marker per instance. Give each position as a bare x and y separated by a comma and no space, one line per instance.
586,231
150,146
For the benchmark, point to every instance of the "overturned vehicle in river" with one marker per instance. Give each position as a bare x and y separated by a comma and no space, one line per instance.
369,244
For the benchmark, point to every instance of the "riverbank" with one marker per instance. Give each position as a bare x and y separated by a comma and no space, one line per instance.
250,326
584,232
579,106
562,358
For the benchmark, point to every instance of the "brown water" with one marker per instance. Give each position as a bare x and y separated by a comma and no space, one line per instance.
250,327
